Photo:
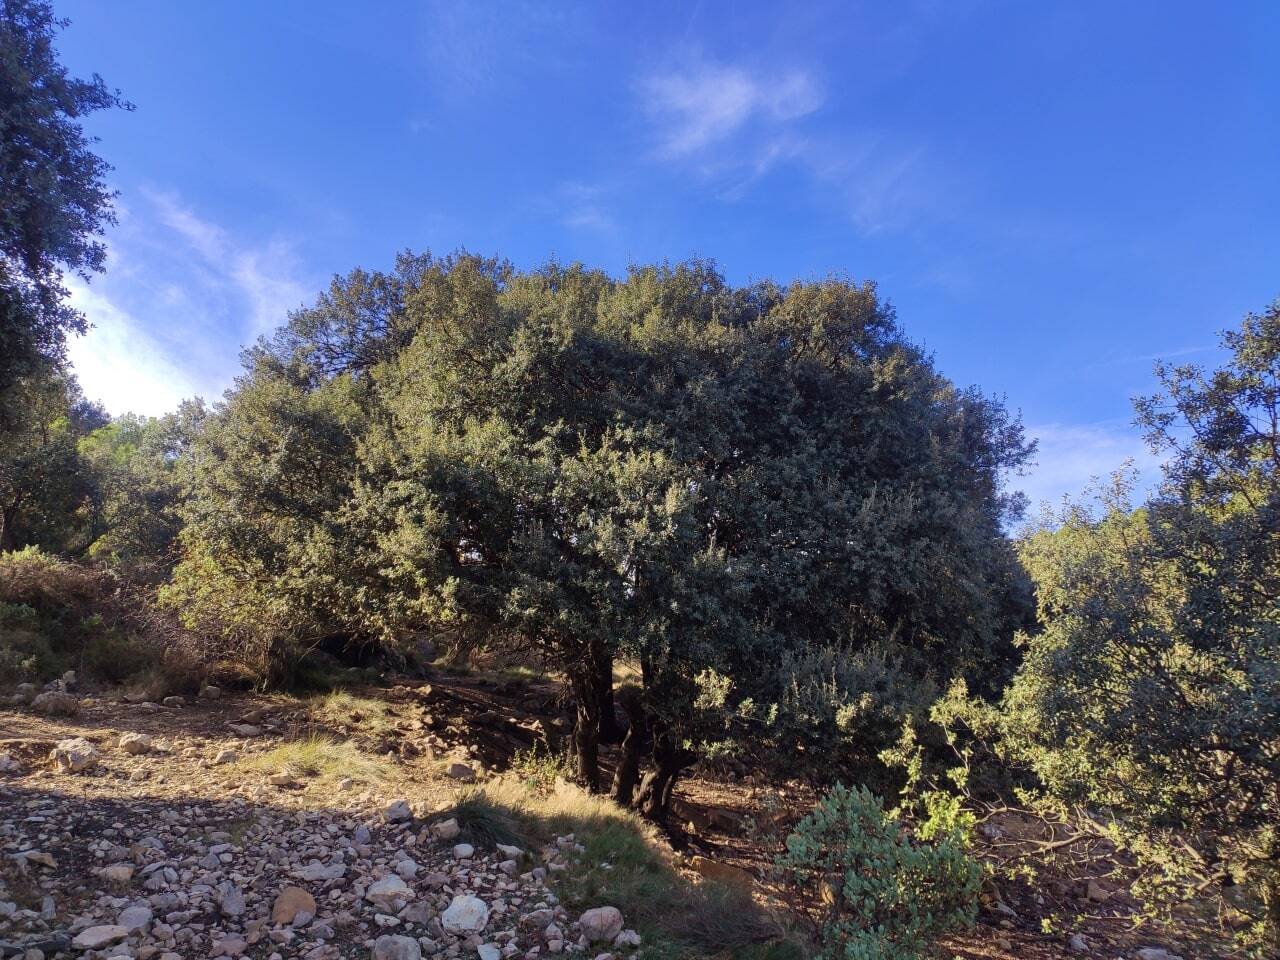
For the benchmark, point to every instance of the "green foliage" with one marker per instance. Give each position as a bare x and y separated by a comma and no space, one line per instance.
1153,689
702,478
261,581
55,200
841,709
137,465
484,823
45,485
25,653
57,615
539,769
113,655
890,894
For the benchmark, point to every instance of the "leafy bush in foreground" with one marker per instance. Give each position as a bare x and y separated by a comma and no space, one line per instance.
1153,691
889,893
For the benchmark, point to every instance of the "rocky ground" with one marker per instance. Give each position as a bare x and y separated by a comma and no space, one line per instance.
134,830
180,829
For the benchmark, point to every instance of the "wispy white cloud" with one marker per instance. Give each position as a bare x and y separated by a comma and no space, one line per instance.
1069,457
582,206
733,126
701,104
121,364
264,275
180,298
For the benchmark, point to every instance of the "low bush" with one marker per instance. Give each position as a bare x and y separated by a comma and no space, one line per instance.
56,615
887,894
25,653
115,656
486,824
840,709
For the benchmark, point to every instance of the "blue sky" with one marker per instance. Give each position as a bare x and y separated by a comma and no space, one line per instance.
1051,194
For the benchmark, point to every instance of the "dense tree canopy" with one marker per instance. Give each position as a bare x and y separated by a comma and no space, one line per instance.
698,477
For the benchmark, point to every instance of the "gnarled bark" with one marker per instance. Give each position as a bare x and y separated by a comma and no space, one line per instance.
658,785
634,745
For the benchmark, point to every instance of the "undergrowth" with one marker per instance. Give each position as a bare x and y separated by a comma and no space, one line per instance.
623,864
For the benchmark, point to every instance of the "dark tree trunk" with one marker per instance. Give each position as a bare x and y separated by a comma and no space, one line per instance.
586,731
659,784
8,539
610,730
634,744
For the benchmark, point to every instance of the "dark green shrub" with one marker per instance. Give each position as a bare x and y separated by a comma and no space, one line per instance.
25,653
114,656
839,710
889,894
1152,691
56,615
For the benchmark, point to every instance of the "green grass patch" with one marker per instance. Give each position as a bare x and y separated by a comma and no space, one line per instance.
346,711
486,824
319,757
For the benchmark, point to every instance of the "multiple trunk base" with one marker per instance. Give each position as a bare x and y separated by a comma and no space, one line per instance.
642,738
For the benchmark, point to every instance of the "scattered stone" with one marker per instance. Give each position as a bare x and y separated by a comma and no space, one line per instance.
1156,953
464,851
601,923
465,915
117,873
135,743
446,829
225,755
627,938
392,947
397,812
104,935
74,755
55,703
291,906
406,869
487,951
1078,943
210,692
383,893
230,899
174,702
137,917
461,771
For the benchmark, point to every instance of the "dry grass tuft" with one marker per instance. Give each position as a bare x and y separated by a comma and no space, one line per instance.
345,711
318,757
